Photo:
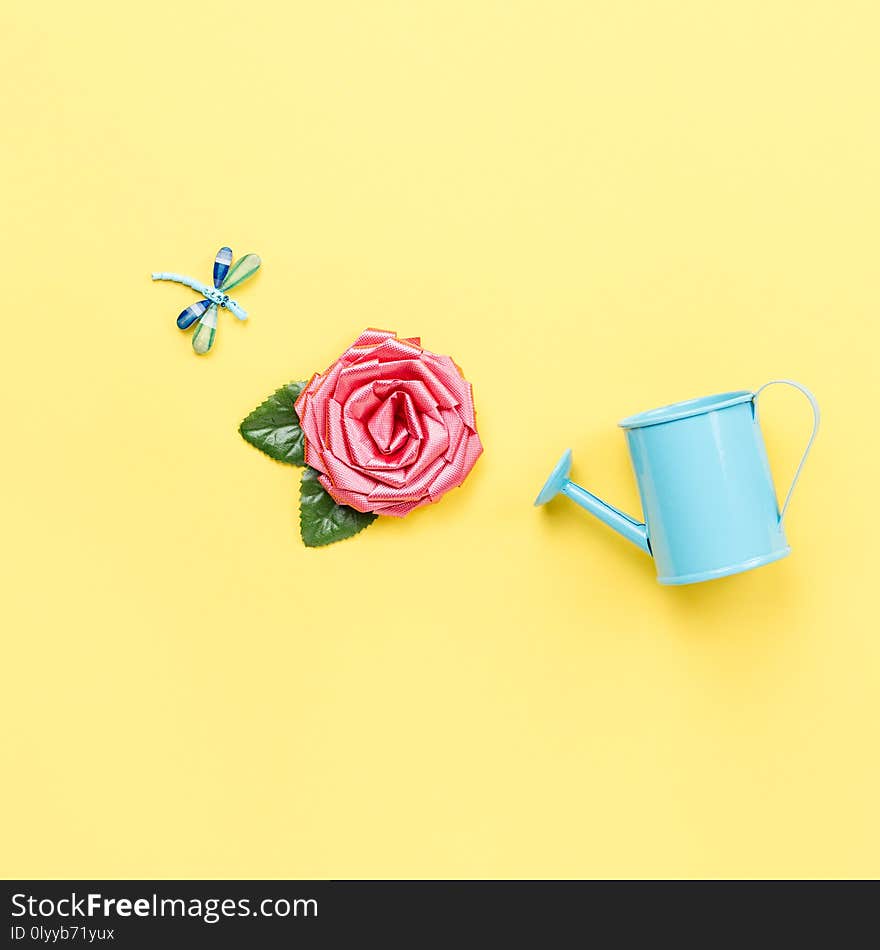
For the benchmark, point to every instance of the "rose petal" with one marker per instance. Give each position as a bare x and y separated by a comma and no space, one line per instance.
455,472
413,487
346,477
343,496
394,422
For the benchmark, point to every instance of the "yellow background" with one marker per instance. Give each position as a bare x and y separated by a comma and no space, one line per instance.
596,208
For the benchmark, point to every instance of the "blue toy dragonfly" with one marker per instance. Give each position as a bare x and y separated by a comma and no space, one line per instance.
226,276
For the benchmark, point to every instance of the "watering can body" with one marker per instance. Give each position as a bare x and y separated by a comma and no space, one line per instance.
705,485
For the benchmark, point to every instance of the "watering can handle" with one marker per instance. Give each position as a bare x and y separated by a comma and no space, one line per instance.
816,416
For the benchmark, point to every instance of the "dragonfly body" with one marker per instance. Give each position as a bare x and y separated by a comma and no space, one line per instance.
226,276
211,293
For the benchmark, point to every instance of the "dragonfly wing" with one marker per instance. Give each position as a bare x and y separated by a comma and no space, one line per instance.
243,268
189,316
203,338
221,265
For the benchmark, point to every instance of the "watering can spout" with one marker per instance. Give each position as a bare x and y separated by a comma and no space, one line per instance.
559,481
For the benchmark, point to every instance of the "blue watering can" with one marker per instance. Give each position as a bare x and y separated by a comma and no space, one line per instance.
705,485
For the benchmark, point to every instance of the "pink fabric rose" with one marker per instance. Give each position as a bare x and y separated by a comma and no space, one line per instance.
389,426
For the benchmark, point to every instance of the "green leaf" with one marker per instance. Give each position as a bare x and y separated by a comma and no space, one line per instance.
321,520
273,427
